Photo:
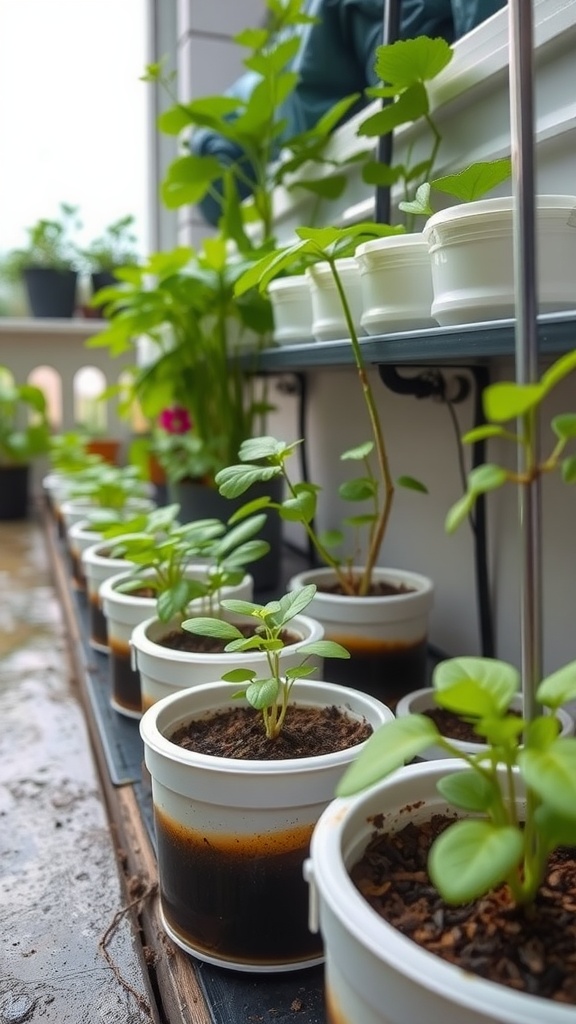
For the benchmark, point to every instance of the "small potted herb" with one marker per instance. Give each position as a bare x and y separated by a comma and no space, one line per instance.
48,264
173,571
239,776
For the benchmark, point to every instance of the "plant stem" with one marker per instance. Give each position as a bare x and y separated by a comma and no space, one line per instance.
381,523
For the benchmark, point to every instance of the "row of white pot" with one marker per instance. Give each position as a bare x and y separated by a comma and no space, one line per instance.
458,270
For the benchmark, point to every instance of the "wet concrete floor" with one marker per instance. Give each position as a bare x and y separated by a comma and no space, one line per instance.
59,881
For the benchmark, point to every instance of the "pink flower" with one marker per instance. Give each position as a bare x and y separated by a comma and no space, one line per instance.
175,420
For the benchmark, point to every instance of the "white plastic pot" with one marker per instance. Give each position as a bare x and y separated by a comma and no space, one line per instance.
164,671
471,249
124,611
396,282
75,509
374,974
233,834
386,636
98,565
80,537
422,700
328,320
292,309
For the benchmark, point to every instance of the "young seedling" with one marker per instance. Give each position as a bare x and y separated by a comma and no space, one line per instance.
162,562
492,845
269,694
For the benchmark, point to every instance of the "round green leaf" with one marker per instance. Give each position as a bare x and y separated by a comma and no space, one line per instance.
391,746
473,856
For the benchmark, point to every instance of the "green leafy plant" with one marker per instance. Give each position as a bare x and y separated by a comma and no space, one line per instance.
162,561
115,247
506,401
492,845
183,303
24,427
255,129
50,244
377,486
108,486
270,694
406,68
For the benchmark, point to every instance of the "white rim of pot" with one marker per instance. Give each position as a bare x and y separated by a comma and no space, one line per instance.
168,713
494,208
414,242
336,844
423,589
142,641
420,700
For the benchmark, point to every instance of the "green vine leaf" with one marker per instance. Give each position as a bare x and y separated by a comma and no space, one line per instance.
471,857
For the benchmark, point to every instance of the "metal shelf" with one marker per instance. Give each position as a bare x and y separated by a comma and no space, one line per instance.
454,345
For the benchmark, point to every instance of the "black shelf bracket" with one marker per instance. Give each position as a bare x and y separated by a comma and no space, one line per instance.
428,383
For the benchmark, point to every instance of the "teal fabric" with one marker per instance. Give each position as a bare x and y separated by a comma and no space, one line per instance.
336,58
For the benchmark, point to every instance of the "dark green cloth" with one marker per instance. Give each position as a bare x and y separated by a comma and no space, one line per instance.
336,58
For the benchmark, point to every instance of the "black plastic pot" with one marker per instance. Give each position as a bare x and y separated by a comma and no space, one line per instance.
51,293
13,492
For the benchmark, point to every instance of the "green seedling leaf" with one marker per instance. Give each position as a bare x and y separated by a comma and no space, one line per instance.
500,732
212,627
564,426
412,60
420,205
555,829
541,732
459,512
235,480
299,509
506,400
411,484
486,478
474,181
472,857
468,790
238,607
483,433
551,773
239,675
569,470
558,371
559,687
262,693
410,105
391,746
498,680
358,453
359,489
295,602
325,649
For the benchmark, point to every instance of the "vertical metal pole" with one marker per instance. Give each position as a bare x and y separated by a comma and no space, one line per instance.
390,32
521,48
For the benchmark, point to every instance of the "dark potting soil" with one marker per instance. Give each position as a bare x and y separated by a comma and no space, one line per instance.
239,733
378,588
453,727
532,950
182,640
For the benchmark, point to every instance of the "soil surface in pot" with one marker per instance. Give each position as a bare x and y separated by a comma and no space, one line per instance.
454,727
307,732
378,588
529,950
182,640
